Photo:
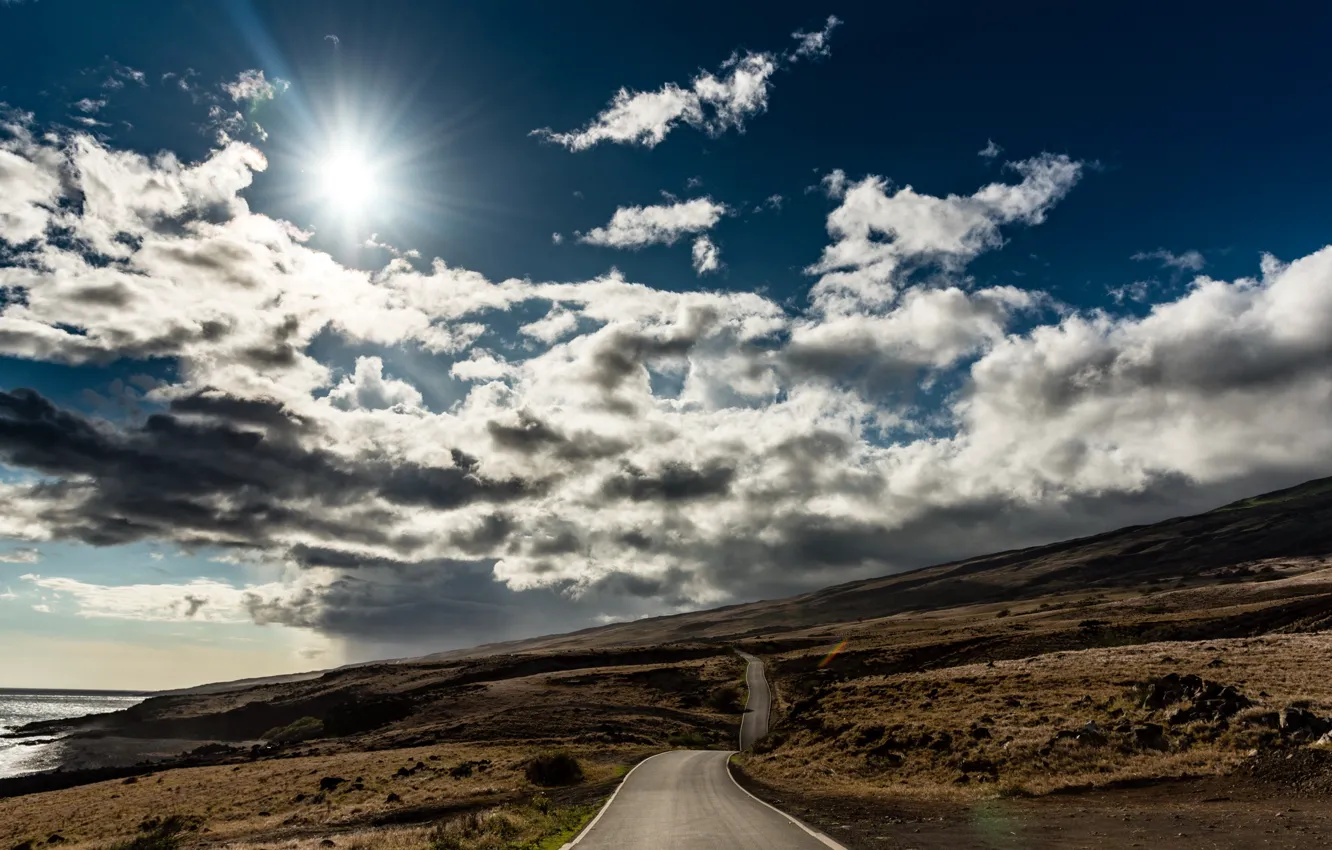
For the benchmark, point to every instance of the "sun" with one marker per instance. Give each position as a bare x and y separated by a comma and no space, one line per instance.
347,181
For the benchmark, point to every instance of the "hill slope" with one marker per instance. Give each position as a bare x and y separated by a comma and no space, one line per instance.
1291,523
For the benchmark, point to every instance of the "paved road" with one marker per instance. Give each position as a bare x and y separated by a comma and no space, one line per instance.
687,800
754,723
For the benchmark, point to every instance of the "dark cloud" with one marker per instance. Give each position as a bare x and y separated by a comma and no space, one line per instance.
530,435
179,476
674,482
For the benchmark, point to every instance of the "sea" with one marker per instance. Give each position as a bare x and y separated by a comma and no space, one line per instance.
17,707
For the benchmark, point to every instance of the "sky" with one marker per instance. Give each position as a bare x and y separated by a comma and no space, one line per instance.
333,331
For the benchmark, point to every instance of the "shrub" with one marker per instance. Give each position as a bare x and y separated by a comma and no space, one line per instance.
727,699
691,740
550,769
296,731
463,832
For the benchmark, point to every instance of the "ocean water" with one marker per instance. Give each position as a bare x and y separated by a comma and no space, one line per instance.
18,707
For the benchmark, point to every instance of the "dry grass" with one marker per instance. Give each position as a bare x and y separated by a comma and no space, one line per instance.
282,797
525,827
880,734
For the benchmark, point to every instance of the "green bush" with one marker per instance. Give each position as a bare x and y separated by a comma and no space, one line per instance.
296,731
550,769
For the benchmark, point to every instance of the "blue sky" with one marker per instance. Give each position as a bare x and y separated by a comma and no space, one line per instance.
753,362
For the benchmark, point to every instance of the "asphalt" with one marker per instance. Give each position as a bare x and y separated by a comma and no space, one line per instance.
754,722
687,800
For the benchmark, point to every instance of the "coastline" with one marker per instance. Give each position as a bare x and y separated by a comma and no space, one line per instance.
80,760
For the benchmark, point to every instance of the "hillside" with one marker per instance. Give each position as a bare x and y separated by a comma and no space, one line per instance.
1194,550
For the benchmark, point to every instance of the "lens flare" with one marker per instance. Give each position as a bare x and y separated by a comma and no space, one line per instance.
827,659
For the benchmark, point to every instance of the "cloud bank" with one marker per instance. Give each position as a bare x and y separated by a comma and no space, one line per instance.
640,450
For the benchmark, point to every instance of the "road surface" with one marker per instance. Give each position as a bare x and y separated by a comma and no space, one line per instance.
754,722
687,800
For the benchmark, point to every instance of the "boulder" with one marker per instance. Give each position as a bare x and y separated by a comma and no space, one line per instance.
1303,722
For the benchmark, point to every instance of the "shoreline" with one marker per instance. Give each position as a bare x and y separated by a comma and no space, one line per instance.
84,760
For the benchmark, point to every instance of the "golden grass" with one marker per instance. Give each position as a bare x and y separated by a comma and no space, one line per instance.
259,799
529,827
1022,704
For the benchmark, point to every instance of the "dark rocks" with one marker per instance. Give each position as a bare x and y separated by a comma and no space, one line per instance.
1302,724
1209,701
980,733
298,798
461,771
1088,736
392,798
979,766
328,842
330,783
1170,689
1150,736
886,754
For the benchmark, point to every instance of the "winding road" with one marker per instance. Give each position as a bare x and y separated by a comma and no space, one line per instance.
687,799
754,722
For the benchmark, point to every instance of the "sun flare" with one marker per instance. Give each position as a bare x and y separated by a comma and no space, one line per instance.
347,181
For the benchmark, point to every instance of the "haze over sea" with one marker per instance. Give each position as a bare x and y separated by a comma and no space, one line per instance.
17,707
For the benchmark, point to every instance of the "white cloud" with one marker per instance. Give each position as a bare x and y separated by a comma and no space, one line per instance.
198,600
1191,261
482,366
20,556
9,594
118,75
635,227
706,256
88,104
252,87
1137,291
373,241
42,608
713,103
815,43
556,238
833,183
880,236
368,389
334,40
555,325
990,151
